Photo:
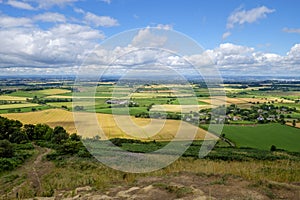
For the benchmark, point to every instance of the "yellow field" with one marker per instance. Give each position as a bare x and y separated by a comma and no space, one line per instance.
70,97
60,104
159,94
178,108
18,105
218,100
58,117
54,91
11,98
290,124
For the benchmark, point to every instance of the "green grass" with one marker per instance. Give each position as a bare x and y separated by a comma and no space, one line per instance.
120,111
39,93
264,136
291,105
242,122
27,109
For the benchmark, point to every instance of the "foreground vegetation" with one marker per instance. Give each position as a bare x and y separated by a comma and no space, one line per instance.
67,164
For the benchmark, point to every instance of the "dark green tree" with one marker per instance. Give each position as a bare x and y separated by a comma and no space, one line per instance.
29,130
42,131
294,123
59,135
6,149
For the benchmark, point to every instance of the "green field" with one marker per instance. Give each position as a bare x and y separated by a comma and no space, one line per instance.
264,136
39,93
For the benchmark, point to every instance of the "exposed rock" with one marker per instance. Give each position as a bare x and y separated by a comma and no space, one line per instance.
83,189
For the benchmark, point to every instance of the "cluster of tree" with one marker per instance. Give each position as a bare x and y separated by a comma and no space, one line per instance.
7,91
264,112
39,100
158,115
14,132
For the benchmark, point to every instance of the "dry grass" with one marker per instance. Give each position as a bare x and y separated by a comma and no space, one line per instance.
280,171
87,173
122,126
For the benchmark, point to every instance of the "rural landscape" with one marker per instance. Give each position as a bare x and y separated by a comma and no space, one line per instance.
149,100
259,143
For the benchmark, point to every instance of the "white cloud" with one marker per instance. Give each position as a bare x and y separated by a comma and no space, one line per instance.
165,26
79,10
241,17
247,16
226,35
7,22
50,17
46,4
292,30
234,59
20,4
147,38
104,21
62,45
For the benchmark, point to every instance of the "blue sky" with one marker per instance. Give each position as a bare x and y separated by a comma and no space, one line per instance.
40,36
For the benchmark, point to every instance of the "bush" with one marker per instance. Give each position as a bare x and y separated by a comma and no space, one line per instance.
7,164
273,148
6,149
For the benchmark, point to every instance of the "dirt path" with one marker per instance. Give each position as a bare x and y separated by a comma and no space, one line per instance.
32,173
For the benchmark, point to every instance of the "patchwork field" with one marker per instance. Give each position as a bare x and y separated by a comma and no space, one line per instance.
58,117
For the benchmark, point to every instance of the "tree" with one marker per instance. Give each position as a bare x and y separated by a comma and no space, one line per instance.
59,135
6,149
29,130
75,137
273,148
9,127
18,137
294,123
42,131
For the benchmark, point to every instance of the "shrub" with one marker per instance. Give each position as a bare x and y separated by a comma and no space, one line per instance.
273,148
6,149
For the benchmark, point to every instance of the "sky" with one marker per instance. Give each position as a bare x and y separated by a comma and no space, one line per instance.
239,37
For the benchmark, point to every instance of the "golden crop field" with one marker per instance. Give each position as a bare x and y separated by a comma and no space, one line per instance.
218,100
54,91
178,108
158,94
59,104
166,130
11,98
80,97
18,105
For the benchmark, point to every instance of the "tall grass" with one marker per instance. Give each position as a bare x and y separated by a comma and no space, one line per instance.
75,172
